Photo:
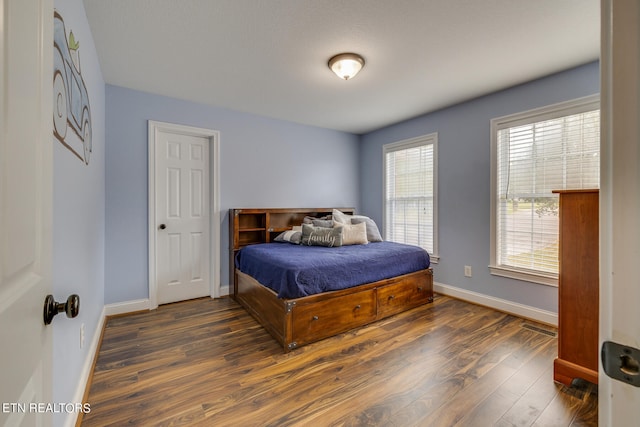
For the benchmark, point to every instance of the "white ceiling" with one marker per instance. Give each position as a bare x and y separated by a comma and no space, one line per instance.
269,57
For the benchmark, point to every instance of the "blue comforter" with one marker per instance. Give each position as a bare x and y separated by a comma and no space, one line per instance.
294,271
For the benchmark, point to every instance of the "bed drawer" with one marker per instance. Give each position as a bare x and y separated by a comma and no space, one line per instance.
331,317
400,295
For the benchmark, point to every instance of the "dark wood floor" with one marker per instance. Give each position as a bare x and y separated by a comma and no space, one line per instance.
207,362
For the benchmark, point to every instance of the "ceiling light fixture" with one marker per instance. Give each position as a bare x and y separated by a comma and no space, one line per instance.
346,65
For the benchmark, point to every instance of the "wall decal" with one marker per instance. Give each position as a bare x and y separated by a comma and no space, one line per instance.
70,96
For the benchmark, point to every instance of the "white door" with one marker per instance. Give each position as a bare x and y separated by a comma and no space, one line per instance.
619,402
182,216
26,138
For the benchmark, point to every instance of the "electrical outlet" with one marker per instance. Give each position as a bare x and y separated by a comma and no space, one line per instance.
82,335
467,271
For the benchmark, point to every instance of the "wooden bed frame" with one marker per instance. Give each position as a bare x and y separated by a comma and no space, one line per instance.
296,322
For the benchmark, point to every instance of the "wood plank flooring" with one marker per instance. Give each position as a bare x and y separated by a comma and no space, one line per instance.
207,362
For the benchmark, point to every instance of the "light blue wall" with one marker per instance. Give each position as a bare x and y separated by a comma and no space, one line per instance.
78,224
272,163
263,163
464,161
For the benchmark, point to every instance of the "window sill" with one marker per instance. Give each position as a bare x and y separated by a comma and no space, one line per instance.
528,276
434,259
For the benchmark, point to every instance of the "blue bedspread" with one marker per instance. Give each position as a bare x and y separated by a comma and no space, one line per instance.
294,271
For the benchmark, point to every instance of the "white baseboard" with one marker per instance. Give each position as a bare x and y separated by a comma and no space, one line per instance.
521,310
141,304
224,290
87,367
127,307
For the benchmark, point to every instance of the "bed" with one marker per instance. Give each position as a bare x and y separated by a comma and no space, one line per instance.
303,293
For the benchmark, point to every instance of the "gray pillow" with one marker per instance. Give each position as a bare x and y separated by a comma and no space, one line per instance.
325,223
289,236
309,219
320,236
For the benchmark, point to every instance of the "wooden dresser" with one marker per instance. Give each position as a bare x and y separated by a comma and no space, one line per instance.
578,287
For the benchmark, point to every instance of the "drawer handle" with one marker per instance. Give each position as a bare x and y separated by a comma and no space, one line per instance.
392,296
358,307
314,318
419,288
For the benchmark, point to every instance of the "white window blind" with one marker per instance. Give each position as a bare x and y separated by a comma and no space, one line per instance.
410,192
554,149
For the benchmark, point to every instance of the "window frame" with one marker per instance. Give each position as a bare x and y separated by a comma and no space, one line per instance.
429,139
562,109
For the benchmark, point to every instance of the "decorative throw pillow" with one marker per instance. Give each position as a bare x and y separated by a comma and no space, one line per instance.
291,236
353,234
325,223
309,219
321,236
373,233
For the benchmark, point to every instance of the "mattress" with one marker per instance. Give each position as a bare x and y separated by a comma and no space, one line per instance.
295,271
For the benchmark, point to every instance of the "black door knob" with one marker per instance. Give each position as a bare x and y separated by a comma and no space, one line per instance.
162,226
71,307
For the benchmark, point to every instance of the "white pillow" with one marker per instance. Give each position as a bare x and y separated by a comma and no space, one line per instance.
373,233
353,234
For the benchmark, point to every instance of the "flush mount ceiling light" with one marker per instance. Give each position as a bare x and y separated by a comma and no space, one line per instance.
346,65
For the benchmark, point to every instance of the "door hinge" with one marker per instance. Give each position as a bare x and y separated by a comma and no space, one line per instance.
621,362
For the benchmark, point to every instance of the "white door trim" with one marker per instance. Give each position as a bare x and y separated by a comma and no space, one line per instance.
214,199
618,402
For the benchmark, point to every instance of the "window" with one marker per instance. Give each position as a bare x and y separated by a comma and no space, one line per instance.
410,204
533,153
